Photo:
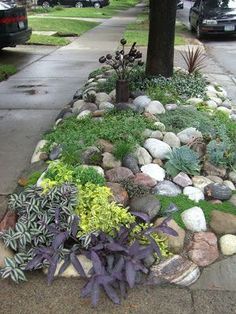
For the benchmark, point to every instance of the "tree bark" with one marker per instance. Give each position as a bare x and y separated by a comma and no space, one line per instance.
160,54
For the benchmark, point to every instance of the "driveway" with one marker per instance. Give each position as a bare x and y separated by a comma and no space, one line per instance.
31,99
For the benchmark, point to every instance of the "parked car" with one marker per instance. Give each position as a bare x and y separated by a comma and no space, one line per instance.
14,28
74,3
180,4
213,17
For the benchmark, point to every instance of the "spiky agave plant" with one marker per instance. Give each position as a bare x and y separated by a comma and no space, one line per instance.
194,58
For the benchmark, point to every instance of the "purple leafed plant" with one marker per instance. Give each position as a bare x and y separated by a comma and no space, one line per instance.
117,260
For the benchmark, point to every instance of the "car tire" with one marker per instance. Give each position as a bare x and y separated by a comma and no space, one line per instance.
79,4
199,34
46,5
97,5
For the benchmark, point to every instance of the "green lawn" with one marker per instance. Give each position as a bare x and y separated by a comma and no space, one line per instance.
106,12
47,40
6,70
138,31
61,25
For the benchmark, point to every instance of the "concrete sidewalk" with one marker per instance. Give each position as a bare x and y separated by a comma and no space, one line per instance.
31,99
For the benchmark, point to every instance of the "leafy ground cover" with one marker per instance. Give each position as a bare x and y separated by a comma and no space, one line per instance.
183,203
124,130
6,70
37,39
138,31
106,12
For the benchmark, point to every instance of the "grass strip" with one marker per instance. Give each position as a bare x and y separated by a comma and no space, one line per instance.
6,70
61,25
47,40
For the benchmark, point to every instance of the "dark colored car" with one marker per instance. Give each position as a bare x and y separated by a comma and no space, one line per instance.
13,26
74,3
180,4
213,17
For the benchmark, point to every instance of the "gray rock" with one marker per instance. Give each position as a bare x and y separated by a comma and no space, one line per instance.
143,156
65,112
171,139
155,107
86,106
167,188
171,107
148,204
106,106
189,134
109,161
218,191
215,179
156,134
229,184
55,153
78,105
157,148
131,162
142,101
102,97
223,223
92,156
232,176
220,275
83,114
232,200
175,270
182,179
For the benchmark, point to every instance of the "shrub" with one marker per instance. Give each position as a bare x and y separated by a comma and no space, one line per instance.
121,149
97,213
221,153
194,58
59,173
182,159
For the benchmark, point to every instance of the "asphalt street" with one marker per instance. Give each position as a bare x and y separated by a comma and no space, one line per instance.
221,49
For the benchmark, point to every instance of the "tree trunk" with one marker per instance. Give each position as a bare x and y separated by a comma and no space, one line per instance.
160,54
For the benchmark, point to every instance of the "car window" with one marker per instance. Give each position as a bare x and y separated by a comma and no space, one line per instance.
4,6
221,4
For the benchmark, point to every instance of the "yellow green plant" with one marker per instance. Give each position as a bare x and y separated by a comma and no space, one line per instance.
98,213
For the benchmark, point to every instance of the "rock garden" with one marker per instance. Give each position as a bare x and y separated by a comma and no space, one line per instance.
131,192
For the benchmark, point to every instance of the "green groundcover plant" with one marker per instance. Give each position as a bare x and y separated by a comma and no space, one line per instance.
117,127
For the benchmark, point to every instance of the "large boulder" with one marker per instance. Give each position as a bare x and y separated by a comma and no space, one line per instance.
223,223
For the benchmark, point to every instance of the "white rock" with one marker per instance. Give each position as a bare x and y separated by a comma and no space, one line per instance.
154,171
211,104
143,156
83,114
223,109
155,107
70,271
38,150
189,134
171,139
200,182
102,97
229,184
171,107
193,194
157,148
141,101
194,219
194,101
160,126
228,244
106,106
211,88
